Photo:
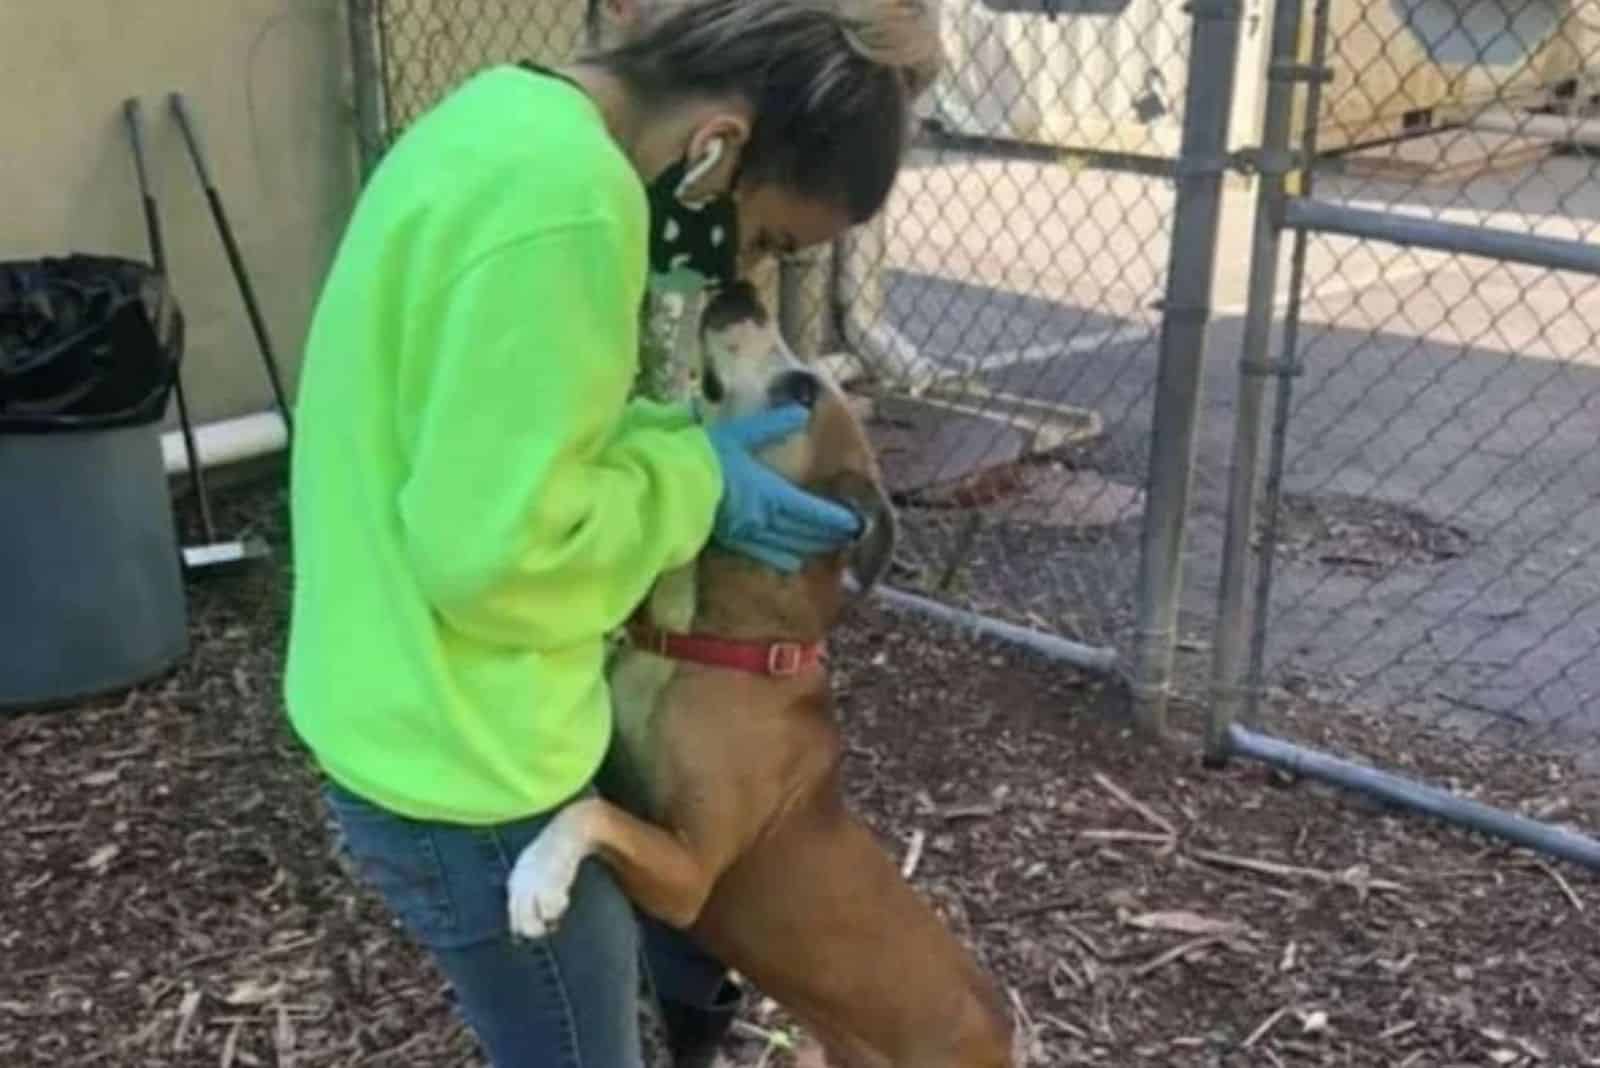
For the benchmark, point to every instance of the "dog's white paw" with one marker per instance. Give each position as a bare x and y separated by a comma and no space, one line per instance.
540,886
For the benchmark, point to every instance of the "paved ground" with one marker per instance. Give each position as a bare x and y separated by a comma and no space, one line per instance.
1444,491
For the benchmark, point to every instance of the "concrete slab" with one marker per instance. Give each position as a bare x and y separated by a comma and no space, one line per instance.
1466,390
1455,425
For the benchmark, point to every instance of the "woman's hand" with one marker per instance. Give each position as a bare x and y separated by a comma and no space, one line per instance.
762,515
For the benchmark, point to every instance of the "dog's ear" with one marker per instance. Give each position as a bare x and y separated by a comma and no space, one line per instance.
870,558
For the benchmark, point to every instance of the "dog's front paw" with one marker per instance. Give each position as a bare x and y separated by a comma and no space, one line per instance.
539,890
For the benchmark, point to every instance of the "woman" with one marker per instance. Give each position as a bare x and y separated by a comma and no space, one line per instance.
476,503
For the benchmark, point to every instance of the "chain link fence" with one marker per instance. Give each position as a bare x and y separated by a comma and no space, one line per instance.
1426,565
1377,496
1000,321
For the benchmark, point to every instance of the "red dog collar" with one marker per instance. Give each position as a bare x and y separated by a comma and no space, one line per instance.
778,659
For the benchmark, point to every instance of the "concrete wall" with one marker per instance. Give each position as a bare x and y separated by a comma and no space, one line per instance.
268,81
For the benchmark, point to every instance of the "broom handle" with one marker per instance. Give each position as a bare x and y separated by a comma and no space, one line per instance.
191,137
133,113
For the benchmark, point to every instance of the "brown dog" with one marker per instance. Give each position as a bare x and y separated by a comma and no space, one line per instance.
727,765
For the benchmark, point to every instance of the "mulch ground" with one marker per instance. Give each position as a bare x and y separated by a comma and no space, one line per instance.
169,896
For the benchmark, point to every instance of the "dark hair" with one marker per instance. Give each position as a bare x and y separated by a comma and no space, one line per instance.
830,96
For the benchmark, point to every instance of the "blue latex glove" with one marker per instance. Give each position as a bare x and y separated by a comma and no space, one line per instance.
763,515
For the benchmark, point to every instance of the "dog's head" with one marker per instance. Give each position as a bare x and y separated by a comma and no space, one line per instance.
748,368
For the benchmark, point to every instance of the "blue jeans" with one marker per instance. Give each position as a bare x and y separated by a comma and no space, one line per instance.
567,1001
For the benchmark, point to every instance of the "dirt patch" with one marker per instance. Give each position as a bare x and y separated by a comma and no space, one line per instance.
1364,536
1075,581
1050,543
169,898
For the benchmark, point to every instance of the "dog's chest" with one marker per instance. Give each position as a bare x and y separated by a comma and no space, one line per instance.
637,679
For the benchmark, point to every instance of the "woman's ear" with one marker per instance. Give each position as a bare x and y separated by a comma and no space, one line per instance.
713,154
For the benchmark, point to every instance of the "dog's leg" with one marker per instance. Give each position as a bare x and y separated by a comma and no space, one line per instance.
706,809
817,915
657,868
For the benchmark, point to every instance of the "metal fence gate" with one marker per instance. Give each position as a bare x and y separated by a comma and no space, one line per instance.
1382,460
1425,565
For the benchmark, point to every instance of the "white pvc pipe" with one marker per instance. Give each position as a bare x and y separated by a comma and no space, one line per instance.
229,441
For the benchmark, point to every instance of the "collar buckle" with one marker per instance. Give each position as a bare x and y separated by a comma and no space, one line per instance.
785,659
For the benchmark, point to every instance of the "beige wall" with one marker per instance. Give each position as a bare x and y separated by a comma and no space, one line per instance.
268,81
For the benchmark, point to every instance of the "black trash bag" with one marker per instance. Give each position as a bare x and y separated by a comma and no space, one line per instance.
86,343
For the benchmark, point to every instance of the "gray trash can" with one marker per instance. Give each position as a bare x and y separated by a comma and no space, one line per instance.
91,581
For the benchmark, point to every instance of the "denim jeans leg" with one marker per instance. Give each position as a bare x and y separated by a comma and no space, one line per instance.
694,993
569,1000
680,971
566,1001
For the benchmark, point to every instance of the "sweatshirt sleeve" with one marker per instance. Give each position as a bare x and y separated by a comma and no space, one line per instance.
539,505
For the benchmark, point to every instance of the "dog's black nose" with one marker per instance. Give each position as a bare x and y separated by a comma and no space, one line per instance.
794,387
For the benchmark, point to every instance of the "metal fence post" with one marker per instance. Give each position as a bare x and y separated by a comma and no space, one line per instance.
366,75
1230,647
1203,162
1290,347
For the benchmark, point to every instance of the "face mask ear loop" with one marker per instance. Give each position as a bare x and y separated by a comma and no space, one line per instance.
701,168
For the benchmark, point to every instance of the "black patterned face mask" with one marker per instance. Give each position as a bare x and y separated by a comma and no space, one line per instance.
691,245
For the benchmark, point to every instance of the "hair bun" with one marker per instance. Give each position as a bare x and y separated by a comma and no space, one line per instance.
902,34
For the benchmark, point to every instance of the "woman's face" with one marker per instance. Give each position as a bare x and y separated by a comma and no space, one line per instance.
773,218
776,221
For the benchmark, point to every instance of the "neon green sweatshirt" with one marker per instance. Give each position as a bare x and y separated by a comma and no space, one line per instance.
475,502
